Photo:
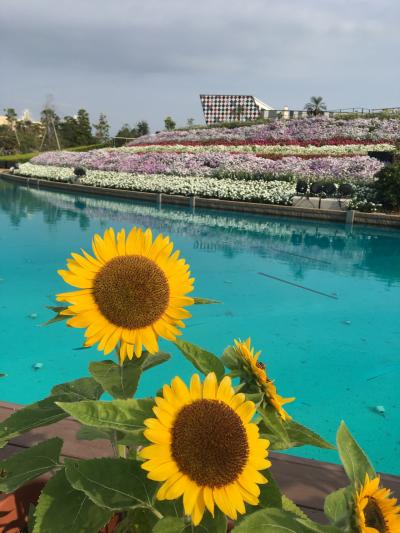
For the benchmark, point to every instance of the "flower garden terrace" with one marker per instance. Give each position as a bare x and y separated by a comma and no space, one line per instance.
252,163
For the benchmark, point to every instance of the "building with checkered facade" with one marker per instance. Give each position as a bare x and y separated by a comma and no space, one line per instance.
233,108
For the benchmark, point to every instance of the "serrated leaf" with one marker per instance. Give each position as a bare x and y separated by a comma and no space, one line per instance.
205,301
122,415
303,436
204,361
354,460
62,508
170,524
120,381
29,464
114,483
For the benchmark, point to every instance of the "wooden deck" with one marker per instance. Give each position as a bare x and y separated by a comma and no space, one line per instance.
305,481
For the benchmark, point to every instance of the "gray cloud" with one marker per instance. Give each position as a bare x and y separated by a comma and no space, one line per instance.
135,59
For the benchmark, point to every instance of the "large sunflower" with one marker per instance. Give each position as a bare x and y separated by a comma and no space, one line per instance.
132,291
376,511
258,370
205,447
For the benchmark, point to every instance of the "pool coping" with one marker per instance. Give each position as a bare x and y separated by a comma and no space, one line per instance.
306,481
327,215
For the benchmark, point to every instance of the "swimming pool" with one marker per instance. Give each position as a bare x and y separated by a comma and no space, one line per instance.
335,349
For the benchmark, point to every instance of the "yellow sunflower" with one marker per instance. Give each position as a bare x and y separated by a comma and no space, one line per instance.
205,447
376,511
255,367
132,291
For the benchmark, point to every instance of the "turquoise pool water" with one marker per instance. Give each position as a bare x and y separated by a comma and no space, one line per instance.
337,352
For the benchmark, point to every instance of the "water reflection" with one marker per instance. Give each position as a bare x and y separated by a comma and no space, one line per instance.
301,244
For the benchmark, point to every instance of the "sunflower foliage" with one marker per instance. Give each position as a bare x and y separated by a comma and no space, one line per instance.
193,458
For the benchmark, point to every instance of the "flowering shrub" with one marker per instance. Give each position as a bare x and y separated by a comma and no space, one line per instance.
320,128
248,166
275,192
267,150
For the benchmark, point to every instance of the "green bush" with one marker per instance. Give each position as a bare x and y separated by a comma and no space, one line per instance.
388,187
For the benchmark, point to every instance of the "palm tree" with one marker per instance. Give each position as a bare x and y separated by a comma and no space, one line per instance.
316,106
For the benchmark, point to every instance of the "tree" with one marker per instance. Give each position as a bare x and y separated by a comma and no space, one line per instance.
316,106
102,129
190,122
50,121
85,136
11,115
69,130
142,128
124,132
170,124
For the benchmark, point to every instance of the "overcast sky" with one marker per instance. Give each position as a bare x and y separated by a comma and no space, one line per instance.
146,59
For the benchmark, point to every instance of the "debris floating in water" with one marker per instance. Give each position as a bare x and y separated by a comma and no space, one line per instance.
346,322
380,409
2,279
37,366
33,316
334,296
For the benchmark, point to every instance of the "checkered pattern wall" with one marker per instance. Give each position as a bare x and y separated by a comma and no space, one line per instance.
228,108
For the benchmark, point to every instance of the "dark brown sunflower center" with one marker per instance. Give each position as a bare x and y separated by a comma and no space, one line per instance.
209,443
131,291
374,517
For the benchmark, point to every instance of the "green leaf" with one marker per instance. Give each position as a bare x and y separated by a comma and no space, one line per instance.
58,316
204,361
79,389
154,359
46,412
120,381
137,521
32,416
270,494
122,415
275,427
112,483
289,505
272,521
354,460
338,507
231,360
91,433
302,436
62,508
205,301
29,464
210,524
170,524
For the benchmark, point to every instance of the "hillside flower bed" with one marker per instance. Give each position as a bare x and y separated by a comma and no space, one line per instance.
300,130
280,150
275,192
357,169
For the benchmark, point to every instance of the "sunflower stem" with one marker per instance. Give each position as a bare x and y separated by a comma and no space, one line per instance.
122,450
